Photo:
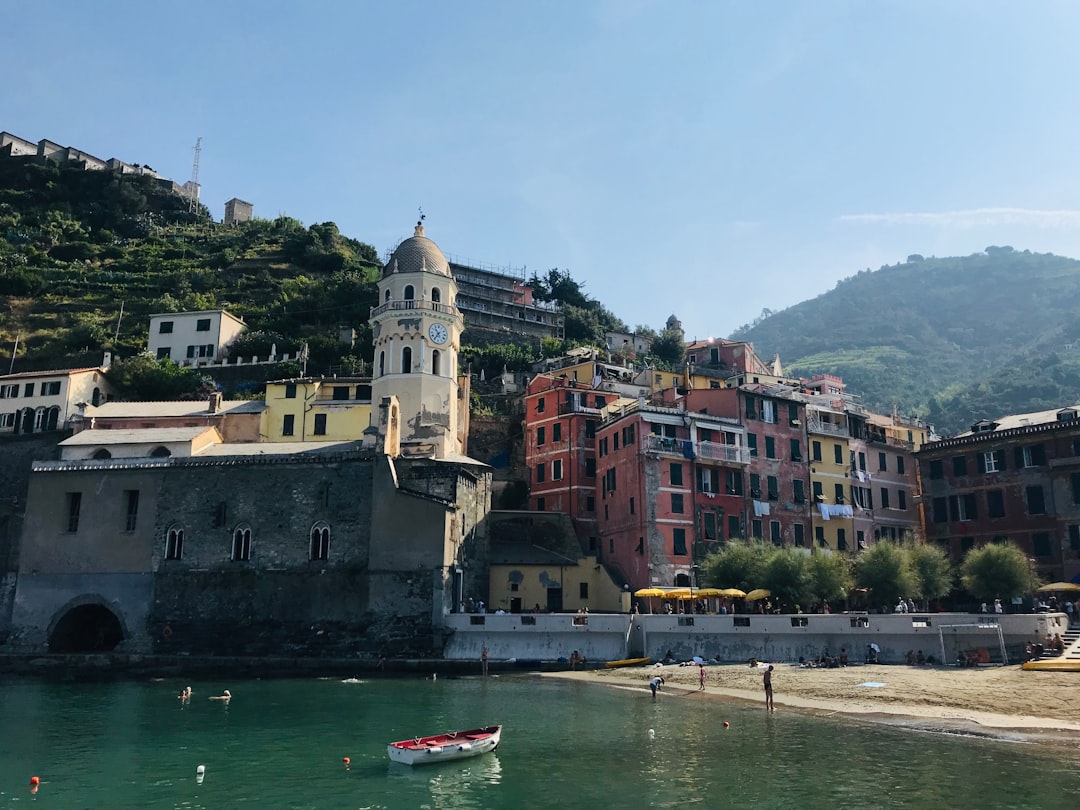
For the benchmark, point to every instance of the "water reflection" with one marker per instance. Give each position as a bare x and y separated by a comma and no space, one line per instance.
455,785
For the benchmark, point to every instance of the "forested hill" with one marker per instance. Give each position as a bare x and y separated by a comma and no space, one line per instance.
953,339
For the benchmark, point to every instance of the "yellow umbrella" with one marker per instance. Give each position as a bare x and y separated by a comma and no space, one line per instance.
704,593
732,592
649,592
760,593
677,593
1058,586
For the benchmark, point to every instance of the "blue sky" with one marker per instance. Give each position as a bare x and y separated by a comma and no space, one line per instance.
703,158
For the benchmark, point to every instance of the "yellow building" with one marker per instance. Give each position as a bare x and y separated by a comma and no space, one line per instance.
830,475
316,409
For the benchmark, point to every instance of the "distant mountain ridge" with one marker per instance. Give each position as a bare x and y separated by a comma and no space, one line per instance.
951,339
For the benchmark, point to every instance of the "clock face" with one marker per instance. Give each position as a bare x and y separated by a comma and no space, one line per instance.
437,333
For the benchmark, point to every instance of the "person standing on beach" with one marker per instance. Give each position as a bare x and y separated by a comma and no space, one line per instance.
766,679
701,677
484,659
655,684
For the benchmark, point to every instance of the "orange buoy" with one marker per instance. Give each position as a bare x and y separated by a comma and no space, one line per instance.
727,724
35,780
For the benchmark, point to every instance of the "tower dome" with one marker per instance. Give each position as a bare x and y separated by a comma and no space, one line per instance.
415,254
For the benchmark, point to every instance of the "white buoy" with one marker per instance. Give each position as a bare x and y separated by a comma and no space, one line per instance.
434,676
652,734
200,770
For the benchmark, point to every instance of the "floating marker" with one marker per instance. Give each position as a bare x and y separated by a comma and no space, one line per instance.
34,780
346,761
201,769
652,734
727,724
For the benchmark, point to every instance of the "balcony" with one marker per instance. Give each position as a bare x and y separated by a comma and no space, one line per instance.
704,451
827,428
412,305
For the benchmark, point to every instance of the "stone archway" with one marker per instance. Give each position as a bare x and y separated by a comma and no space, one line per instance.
86,628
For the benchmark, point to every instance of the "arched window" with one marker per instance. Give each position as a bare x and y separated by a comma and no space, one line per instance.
174,543
409,292
101,453
160,452
436,295
387,296
95,399
39,420
241,543
406,360
382,363
52,418
436,365
320,542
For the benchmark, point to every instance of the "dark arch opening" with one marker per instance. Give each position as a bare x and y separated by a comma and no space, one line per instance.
86,629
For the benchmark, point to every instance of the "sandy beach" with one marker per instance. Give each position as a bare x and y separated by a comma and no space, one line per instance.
1003,702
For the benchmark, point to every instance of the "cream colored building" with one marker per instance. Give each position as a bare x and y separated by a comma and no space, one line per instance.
193,338
37,401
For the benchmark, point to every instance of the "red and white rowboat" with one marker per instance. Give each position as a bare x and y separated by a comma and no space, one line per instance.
444,747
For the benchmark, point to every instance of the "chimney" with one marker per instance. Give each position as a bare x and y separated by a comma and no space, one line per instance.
215,402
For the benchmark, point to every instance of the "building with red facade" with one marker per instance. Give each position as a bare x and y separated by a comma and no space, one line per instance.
1015,478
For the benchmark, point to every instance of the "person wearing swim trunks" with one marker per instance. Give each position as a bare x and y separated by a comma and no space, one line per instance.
766,679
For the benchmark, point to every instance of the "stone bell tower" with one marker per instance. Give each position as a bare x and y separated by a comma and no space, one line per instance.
416,332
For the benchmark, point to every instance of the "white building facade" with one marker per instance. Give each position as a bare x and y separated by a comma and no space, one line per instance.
193,338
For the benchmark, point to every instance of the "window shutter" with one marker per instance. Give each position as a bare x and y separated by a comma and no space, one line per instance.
1000,456
982,462
1018,456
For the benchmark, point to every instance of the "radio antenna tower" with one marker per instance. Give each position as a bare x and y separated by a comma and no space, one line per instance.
193,188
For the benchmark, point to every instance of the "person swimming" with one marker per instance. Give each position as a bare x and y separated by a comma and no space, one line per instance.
226,695
185,694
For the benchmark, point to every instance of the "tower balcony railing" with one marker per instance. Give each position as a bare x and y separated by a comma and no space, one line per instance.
415,304
703,451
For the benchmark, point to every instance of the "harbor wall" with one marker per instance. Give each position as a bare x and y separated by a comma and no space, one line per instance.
736,638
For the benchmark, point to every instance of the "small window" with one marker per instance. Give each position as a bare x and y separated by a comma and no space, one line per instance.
74,506
406,360
770,447
676,503
1036,501
410,293
556,470
131,504
541,404
1040,544
164,353
436,362
900,465
288,422
541,505
838,454
436,295
340,392
202,325
995,503
165,328
882,464
320,424
937,471
816,451
959,466
290,391
28,390
539,473
241,544
583,590
320,542
556,432
798,535
676,475
50,389
174,543
541,436
678,537
160,452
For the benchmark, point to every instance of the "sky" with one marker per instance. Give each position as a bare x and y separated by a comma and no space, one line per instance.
708,159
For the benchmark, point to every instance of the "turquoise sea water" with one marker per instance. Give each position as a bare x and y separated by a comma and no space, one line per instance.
280,744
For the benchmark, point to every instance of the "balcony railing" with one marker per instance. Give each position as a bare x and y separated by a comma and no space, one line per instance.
706,451
828,428
429,306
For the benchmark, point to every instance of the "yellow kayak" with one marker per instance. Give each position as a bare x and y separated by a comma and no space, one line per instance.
1053,665
627,662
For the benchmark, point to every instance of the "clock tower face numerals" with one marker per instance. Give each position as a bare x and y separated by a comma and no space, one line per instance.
438,334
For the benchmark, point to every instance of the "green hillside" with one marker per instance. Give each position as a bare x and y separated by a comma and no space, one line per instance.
950,339
76,245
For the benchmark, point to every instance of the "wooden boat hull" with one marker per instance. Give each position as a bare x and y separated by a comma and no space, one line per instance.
445,747
627,662
1053,665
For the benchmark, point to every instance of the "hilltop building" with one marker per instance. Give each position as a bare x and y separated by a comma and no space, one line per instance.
193,338
501,302
237,210
1014,478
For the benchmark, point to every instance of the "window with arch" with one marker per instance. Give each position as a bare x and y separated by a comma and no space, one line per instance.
320,542
387,296
160,452
174,543
101,453
52,418
436,362
436,294
406,360
39,420
382,363
410,293
241,543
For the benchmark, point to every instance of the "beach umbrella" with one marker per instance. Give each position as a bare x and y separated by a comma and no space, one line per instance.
733,593
1058,587
649,592
759,593
677,593
704,593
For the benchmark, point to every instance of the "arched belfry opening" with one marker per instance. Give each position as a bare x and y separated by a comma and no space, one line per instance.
89,628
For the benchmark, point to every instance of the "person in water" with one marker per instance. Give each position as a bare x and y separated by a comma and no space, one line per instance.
226,696
766,679
655,684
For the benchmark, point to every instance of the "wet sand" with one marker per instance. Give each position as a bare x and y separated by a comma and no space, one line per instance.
1002,702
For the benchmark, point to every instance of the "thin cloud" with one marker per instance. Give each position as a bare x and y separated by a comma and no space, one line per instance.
972,218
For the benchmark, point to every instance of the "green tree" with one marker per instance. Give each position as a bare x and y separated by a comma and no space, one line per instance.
999,570
144,377
932,569
831,576
740,564
884,569
669,348
786,573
